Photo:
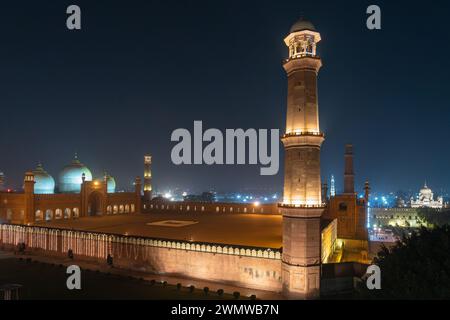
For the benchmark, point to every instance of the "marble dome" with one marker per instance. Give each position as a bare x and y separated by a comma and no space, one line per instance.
44,182
70,176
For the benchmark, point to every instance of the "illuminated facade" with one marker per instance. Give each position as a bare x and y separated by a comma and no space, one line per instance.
302,205
38,202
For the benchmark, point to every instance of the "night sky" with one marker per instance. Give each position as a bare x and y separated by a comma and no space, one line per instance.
140,69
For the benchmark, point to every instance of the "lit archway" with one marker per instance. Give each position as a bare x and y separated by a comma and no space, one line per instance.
67,213
58,214
38,216
48,215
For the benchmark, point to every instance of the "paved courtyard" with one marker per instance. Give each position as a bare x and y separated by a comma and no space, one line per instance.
239,229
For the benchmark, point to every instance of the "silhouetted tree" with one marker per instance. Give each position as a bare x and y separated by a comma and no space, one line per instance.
417,267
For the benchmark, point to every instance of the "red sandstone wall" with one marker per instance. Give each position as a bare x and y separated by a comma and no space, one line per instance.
12,207
257,268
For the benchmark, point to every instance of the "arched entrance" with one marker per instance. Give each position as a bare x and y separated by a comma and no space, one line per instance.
94,204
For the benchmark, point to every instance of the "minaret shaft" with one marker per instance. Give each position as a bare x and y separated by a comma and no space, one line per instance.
302,205
147,179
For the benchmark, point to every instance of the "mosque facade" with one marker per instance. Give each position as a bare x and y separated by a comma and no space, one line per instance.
75,195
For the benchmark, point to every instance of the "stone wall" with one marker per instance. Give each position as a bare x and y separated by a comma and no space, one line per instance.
250,267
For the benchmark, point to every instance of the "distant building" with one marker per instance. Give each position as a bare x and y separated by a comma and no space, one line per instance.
425,199
204,197
404,215
395,217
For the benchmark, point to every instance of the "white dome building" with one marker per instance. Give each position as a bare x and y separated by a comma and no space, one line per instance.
426,199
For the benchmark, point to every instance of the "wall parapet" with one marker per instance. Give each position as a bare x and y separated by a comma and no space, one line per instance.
99,245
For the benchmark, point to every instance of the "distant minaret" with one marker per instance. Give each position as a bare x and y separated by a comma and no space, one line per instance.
147,178
366,192
2,181
302,205
333,187
349,176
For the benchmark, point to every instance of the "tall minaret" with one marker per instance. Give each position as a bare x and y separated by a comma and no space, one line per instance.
349,176
147,179
302,205
28,188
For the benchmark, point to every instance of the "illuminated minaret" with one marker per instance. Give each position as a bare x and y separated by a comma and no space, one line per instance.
28,188
333,187
147,178
302,205
349,176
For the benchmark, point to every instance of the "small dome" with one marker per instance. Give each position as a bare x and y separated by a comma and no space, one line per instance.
44,182
302,24
110,183
70,178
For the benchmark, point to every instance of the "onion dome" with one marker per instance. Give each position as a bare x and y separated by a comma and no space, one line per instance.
70,178
44,182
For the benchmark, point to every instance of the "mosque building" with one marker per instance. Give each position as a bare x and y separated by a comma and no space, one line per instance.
76,194
290,248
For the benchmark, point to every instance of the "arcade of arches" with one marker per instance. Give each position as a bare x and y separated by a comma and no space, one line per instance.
93,200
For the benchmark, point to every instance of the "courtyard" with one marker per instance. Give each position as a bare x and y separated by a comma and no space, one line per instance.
256,230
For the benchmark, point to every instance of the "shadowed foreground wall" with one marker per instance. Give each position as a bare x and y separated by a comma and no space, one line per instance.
250,267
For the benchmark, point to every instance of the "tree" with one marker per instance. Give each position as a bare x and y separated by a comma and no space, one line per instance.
417,267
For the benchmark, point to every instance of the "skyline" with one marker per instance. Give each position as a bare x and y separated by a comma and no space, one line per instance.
116,90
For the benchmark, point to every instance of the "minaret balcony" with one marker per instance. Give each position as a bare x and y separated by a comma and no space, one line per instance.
296,139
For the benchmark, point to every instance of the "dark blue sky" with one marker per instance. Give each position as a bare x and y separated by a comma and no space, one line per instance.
140,69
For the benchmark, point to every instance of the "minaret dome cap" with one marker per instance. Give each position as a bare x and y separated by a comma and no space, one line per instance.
301,25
